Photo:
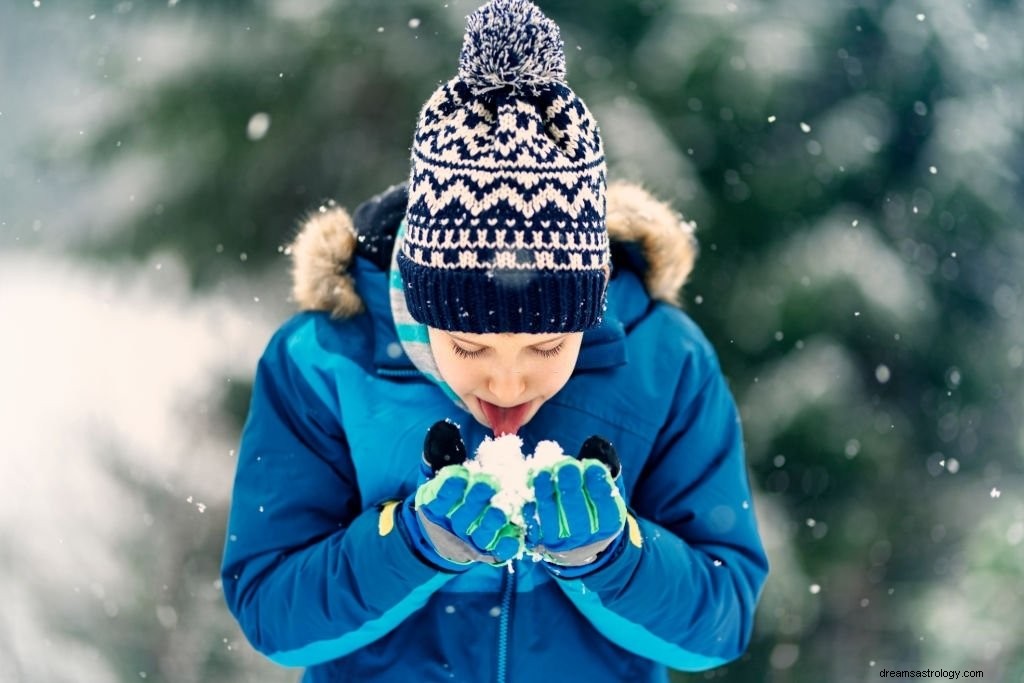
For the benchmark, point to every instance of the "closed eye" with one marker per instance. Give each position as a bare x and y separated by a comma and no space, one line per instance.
549,353
463,353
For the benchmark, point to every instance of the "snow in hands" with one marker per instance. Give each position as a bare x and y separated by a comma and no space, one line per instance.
511,473
502,460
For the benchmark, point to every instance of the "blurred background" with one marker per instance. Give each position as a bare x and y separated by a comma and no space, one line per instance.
854,168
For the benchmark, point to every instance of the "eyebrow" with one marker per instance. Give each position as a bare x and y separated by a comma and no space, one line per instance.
464,341
473,343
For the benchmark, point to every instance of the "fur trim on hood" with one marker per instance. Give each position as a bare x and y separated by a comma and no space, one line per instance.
326,245
320,255
664,239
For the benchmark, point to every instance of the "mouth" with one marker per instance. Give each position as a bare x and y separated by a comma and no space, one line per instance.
504,420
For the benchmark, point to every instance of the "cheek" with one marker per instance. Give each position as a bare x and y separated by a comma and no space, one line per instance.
458,374
462,384
553,378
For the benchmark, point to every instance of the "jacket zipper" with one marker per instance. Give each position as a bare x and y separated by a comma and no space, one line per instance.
384,372
508,586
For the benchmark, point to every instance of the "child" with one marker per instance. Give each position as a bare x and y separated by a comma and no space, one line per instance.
506,290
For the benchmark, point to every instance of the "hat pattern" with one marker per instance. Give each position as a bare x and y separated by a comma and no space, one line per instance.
506,215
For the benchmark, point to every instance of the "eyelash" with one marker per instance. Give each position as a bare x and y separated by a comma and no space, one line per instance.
546,353
549,353
463,353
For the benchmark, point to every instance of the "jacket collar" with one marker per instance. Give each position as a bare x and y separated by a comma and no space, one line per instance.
333,270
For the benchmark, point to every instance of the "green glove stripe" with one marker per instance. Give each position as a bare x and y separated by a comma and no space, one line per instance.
506,531
600,487
591,511
468,515
563,521
428,492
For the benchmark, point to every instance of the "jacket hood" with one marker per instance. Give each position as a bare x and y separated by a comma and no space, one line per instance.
658,243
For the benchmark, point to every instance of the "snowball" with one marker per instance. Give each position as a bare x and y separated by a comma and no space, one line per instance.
503,460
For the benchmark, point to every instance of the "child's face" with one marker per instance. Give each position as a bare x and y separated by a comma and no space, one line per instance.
505,378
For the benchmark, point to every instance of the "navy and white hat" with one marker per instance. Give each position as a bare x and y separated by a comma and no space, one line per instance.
505,226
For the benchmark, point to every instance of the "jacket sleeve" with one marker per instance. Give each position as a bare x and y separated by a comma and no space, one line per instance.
684,587
307,573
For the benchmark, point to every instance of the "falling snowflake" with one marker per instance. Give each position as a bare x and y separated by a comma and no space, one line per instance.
259,124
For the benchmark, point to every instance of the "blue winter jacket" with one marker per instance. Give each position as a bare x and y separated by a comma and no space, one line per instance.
318,576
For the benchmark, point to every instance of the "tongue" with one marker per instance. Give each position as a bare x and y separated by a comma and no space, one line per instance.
504,420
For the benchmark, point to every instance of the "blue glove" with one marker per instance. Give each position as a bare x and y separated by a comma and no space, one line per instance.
449,518
579,513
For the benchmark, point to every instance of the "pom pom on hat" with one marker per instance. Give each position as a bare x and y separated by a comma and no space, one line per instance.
511,44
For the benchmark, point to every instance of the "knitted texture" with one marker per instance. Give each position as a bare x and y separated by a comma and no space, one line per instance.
506,215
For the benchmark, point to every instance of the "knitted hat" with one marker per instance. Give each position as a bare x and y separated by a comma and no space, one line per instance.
506,216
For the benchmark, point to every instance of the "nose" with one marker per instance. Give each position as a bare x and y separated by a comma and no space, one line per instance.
507,385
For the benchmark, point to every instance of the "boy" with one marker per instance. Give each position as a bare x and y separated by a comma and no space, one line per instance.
507,290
